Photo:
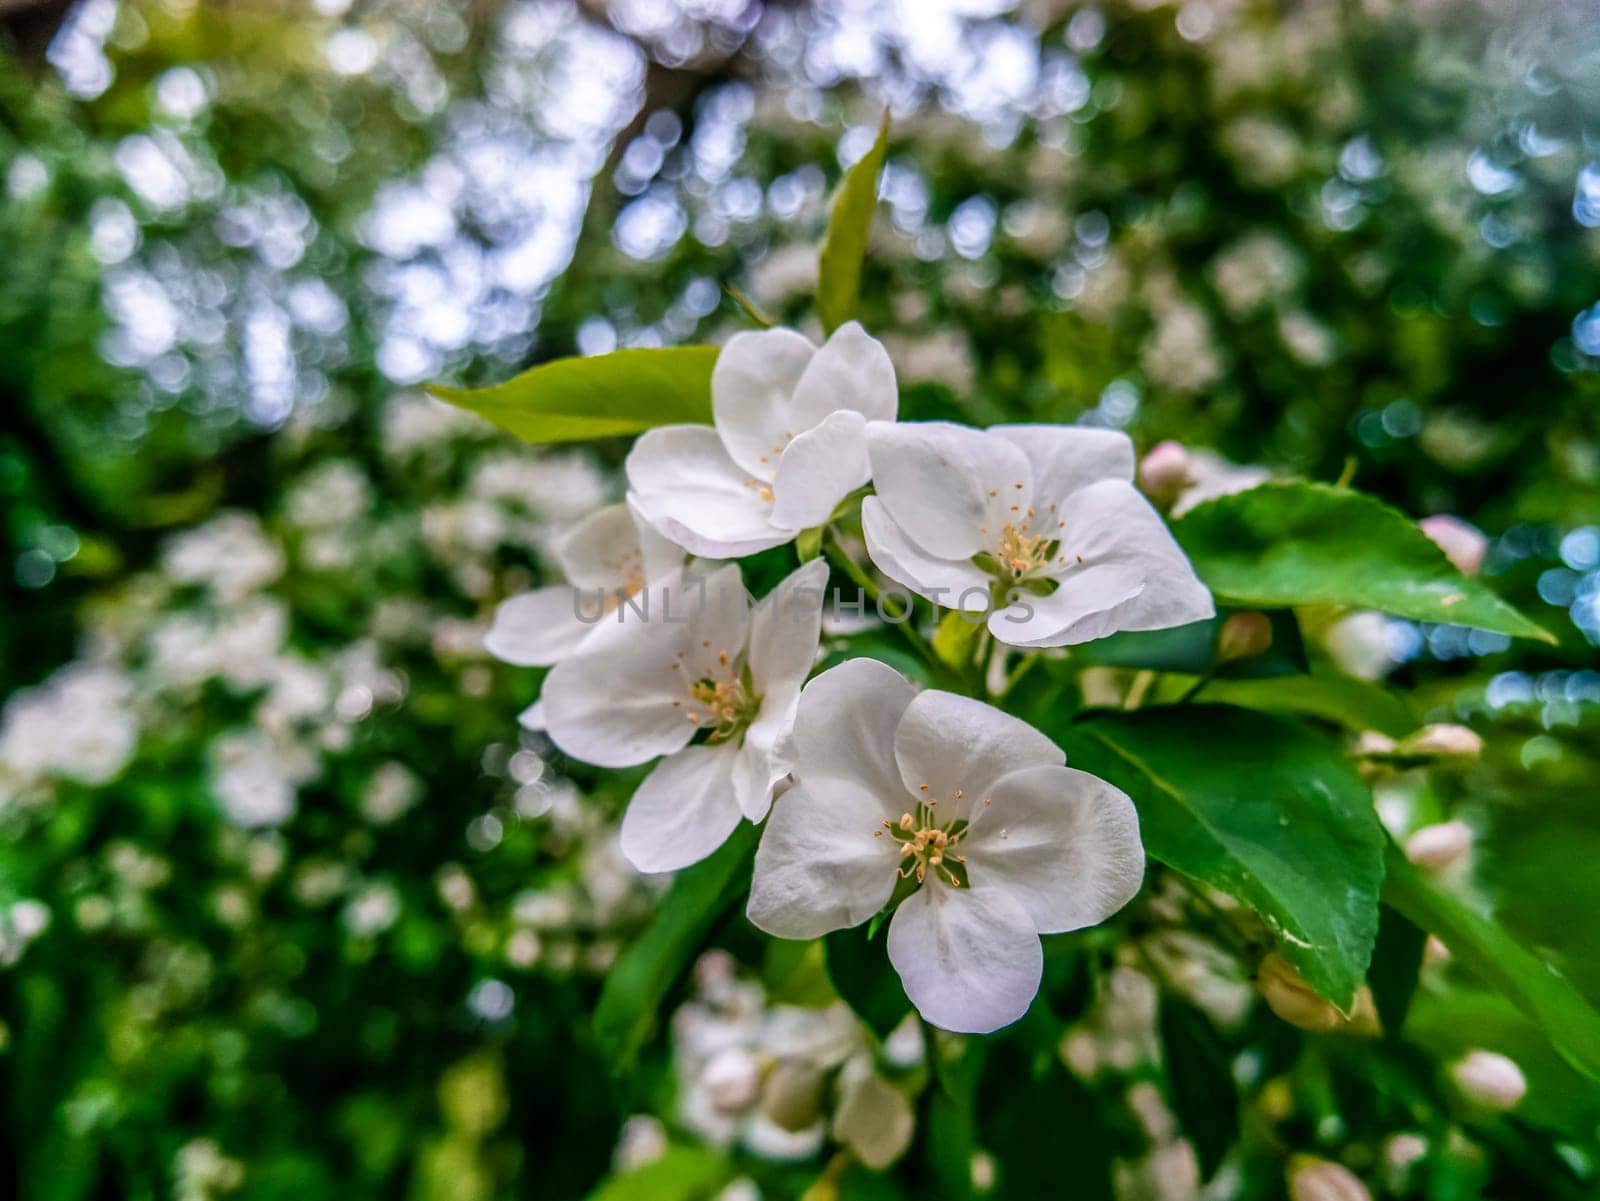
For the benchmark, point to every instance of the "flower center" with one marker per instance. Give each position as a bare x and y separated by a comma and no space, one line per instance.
725,706
927,845
1025,546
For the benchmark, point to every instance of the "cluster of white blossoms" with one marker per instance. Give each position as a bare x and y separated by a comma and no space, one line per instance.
962,820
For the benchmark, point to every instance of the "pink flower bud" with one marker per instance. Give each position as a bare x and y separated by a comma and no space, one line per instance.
1321,1180
1164,472
1490,1080
1372,742
1438,846
1463,544
1445,741
1244,636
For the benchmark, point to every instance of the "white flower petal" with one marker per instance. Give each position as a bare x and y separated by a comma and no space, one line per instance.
538,628
1068,457
817,470
531,719
950,742
620,700
1063,843
969,958
752,387
658,555
713,611
784,631
1111,522
819,867
953,583
601,550
852,371
681,480
1088,605
946,484
845,729
682,811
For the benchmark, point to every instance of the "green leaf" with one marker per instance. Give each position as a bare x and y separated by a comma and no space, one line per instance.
1043,1127
844,246
956,638
1201,1079
1312,544
678,1174
1343,700
1261,807
1485,948
638,983
861,975
1396,962
570,400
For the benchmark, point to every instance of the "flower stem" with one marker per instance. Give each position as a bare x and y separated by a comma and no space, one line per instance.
841,558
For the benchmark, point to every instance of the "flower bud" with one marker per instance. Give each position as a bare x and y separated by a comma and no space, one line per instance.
732,1080
1490,1080
1322,1180
1244,636
791,1097
1164,473
1372,742
1462,544
1438,846
1289,996
874,1119
1444,741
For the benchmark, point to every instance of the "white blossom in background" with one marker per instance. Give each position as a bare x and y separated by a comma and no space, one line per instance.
79,724
704,662
256,781
970,809
1038,526
787,445
1210,476
231,555
608,558
765,1076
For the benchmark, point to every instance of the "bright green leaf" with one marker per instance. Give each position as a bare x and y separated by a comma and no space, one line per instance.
624,392
637,985
1301,543
678,1174
844,246
1342,700
956,639
1263,808
1487,950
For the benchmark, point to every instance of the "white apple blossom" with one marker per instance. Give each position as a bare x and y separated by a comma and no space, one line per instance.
701,661
606,558
971,810
788,443
1039,526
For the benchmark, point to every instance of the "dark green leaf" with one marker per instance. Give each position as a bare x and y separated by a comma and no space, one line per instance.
624,392
1312,544
643,975
1264,808
1396,960
1201,1079
1484,948
949,1125
1044,1129
844,246
861,974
